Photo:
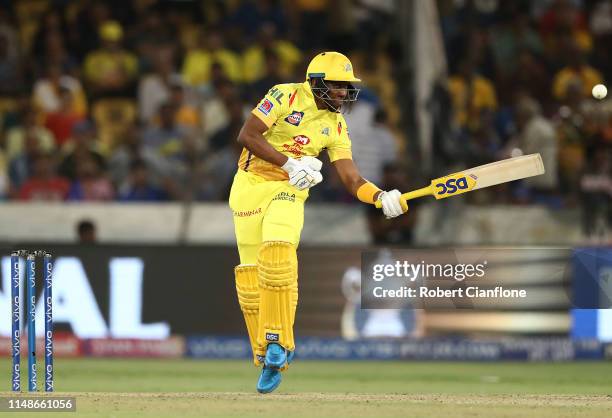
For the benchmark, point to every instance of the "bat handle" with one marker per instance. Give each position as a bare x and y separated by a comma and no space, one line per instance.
425,191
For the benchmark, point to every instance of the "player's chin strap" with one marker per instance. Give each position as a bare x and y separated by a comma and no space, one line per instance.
321,91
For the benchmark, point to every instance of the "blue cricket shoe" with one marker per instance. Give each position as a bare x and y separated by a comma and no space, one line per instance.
271,376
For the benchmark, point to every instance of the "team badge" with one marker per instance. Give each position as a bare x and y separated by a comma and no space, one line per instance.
325,131
301,139
265,107
295,118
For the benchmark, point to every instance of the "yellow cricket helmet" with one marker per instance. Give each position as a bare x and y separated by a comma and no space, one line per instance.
332,66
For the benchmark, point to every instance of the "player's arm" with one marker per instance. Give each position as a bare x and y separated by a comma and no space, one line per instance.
368,192
302,174
251,137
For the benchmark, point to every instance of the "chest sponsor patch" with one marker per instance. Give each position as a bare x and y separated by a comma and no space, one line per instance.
295,118
265,107
301,139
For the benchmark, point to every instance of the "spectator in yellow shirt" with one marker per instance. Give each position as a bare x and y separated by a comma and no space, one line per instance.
111,70
198,62
577,70
254,58
470,94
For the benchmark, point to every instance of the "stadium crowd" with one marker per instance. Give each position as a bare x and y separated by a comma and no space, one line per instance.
521,77
141,100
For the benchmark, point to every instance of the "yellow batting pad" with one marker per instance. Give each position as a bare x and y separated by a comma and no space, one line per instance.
294,300
277,268
248,297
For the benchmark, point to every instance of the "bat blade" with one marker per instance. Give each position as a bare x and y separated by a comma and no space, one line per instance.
487,175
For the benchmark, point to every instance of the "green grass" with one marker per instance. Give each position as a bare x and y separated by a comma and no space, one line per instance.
184,388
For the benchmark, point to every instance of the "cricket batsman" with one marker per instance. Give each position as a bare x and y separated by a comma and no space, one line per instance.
282,137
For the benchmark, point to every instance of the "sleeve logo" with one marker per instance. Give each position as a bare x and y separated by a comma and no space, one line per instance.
265,107
295,118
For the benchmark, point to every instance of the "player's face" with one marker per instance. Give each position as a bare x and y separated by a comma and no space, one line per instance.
338,92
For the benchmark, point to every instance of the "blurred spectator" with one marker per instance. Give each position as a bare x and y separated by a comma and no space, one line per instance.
30,128
10,67
513,36
373,145
81,145
46,92
186,114
312,19
150,34
596,188
56,55
214,110
218,173
256,58
372,19
9,32
530,76
576,70
22,163
44,183
572,141
537,134
84,35
601,28
138,187
4,176
251,15
62,121
471,94
271,77
210,49
91,184
228,134
564,19
86,232
166,135
51,24
154,88
111,70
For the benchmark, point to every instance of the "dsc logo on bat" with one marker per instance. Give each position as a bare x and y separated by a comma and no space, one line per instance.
454,184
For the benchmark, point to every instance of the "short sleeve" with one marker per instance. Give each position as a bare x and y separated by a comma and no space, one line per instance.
340,144
272,106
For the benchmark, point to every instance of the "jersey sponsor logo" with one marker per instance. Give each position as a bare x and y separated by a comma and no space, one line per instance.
339,128
295,118
246,213
276,94
301,139
294,149
285,196
265,107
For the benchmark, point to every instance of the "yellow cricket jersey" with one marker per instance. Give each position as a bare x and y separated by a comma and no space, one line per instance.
296,128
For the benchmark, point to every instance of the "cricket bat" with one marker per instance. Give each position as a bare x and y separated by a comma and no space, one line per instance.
480,177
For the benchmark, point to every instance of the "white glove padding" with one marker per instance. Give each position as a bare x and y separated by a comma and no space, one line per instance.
392,203
304,173
312,162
